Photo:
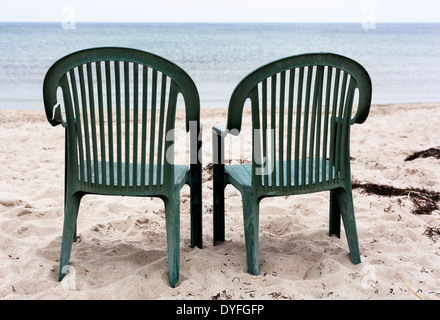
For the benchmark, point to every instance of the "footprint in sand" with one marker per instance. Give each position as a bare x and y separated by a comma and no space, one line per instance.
17,208
10,203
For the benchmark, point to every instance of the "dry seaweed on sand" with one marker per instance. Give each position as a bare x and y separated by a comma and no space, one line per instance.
431,152
425,201
221,296
207,172
432,232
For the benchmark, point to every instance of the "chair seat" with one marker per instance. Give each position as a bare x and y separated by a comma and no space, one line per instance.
180,174
241,174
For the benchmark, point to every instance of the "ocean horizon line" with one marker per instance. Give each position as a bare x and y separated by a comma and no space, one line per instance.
219,22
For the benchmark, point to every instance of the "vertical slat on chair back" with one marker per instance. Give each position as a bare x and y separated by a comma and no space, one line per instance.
302,116
121,112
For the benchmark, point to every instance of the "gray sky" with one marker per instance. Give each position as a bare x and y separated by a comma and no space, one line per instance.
221,10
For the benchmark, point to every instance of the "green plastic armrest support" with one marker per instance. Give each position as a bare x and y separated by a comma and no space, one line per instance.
220,130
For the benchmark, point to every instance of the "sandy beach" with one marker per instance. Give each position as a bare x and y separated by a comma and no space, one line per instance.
121,249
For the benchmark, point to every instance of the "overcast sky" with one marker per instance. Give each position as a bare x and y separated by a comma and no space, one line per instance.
221,10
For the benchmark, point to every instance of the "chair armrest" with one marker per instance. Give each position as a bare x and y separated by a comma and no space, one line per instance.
219,133
58,117
361,114
220,130
55,117
364,103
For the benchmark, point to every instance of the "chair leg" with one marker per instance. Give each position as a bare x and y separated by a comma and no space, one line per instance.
172,214
71,207
251,231
345,202
335,215
196,207
219,202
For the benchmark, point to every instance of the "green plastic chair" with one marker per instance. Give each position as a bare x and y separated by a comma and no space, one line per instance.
119,115
301,115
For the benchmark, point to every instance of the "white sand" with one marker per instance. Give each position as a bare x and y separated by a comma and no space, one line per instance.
121,250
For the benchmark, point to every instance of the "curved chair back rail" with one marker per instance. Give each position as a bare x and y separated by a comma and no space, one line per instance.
185,84
356,71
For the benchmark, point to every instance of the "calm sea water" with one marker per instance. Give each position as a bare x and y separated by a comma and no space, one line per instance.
403,59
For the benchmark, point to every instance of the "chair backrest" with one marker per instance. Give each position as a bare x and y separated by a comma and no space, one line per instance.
301,117
119,107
